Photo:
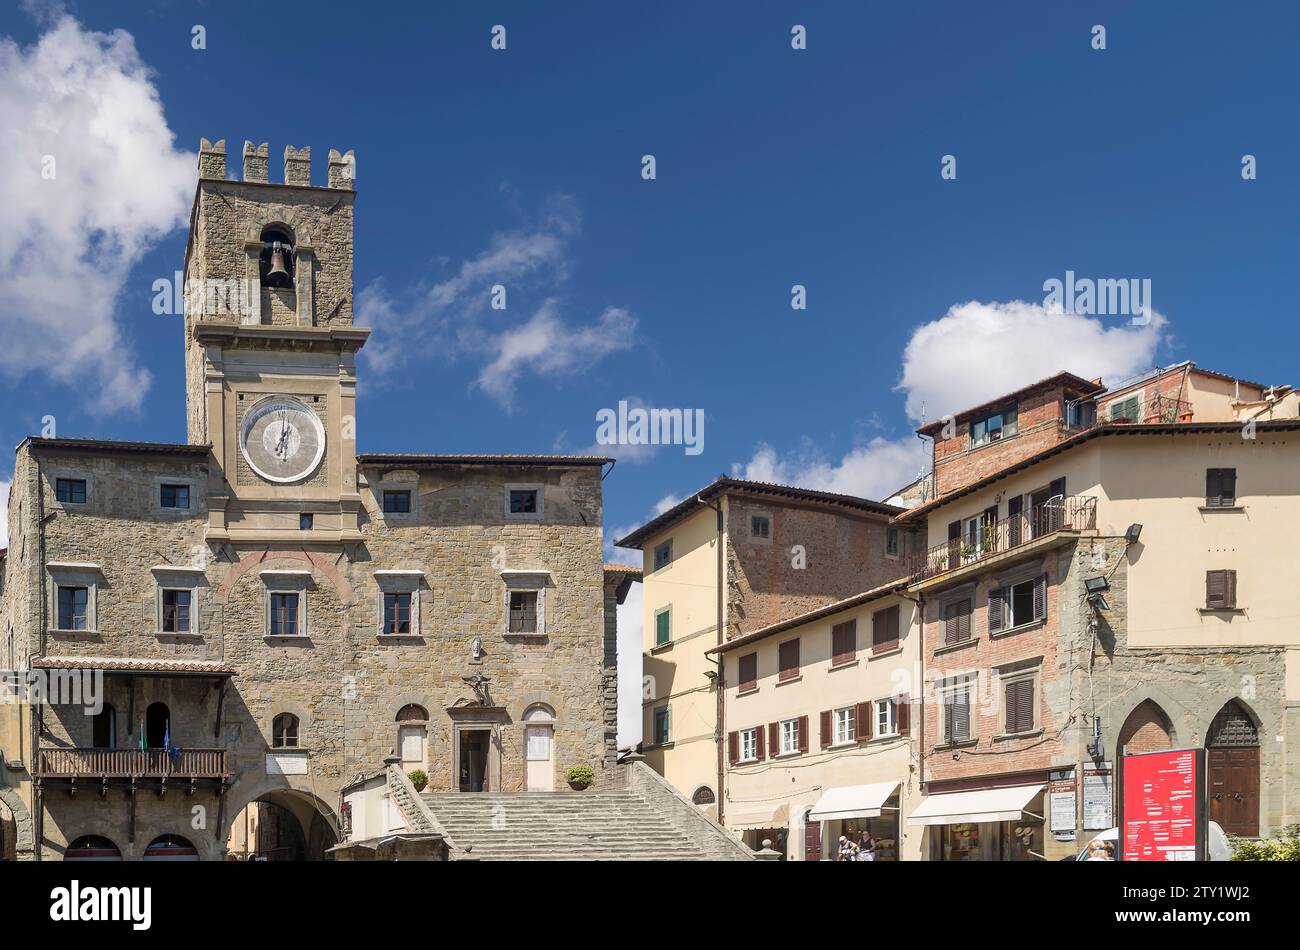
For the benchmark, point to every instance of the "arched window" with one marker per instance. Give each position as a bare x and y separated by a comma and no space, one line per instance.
412,733
171,848
284,731
92,848
275,265
703,796
157,726
104,728
539,741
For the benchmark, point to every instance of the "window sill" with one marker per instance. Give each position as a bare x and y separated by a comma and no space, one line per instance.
524,635
851,744
960,744
1231,611
1012,631
748,761
897,648
287,638
887,737
788,755
71,634
844,665
954,647
656,746
1210,509
178,635
661,648
396,637
747,692
789,679
1006,736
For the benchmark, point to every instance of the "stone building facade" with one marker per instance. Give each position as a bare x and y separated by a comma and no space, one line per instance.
271,612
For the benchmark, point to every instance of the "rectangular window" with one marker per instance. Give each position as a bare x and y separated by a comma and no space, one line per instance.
74,608
661,732
664,627
956,713
1018,604
663,554
1220,590
844,642
176,611
760,526
523,501
1220,487
748,672
523,611
790,736
789,660
748,745
70,491
992,428
1018,704
397,613
956,621
843,725
284,615
1125,410
175,496
884,630
397,502
886,717
891,541
306,521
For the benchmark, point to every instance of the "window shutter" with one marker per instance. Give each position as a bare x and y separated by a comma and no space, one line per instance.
758,744
1230,589
774,737
1213,486
1215,589
826,728
733,747
995,609
862,728
1015,505
903,714
1228,490
1040,597
950,623
803,733
961,715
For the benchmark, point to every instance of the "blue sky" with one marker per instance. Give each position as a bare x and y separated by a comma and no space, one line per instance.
775,167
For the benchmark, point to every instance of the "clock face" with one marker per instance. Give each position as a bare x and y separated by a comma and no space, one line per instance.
282,440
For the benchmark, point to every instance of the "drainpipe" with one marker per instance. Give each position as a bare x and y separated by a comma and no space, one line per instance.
719,680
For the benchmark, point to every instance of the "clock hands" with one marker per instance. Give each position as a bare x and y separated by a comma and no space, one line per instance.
281,446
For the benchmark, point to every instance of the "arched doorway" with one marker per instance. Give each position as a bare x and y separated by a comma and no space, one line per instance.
281,825
412,736
1232,754
539,746
92,848
1147,729
157,726
171,848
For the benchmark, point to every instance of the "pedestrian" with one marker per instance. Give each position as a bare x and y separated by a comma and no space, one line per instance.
866,846
847,849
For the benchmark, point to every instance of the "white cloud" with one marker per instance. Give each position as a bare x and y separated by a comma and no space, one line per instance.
977,351
4,514
547,346
972,354
85,102
452,318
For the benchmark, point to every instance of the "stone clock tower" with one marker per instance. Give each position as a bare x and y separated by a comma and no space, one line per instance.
270,350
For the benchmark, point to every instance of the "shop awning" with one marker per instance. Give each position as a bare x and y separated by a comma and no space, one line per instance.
853,801
752,817
986,804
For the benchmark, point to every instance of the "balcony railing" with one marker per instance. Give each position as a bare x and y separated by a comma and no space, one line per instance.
1064,512
131,763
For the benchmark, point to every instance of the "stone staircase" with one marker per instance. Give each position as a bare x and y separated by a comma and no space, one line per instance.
614,825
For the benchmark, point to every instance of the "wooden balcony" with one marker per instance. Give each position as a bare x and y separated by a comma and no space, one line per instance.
131,764
1064,513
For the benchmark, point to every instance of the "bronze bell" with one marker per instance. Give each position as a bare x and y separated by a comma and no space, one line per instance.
277,271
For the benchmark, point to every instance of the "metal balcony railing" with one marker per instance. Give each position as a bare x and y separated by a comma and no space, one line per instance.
131,763
1064,512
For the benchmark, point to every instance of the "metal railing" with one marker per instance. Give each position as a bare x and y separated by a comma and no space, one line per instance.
131,763
990,537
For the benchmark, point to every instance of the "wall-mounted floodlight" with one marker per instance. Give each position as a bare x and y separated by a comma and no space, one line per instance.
1133,533
1096,588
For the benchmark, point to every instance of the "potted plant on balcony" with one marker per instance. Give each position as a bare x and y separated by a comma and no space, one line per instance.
580,777
419,778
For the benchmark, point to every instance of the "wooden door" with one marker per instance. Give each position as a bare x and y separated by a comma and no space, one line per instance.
1234,789
812,840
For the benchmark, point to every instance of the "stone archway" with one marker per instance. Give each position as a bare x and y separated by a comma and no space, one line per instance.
281,824
1147,729
21,846
1232,763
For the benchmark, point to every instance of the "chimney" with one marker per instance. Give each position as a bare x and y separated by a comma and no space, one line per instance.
297,165
342,170
212,159
255,161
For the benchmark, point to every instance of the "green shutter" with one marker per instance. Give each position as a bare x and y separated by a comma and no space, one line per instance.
663,627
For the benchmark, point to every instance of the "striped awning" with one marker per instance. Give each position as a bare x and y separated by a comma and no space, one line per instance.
853,801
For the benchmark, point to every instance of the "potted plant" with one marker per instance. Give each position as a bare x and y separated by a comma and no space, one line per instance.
418,778
579,777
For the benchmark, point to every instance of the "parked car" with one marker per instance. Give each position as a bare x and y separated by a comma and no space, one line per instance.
1219,849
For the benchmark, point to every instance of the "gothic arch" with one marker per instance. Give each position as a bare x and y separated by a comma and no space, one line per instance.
22,827
1152,694
1147,728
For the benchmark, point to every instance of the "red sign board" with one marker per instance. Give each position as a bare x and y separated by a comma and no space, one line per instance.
1161,806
